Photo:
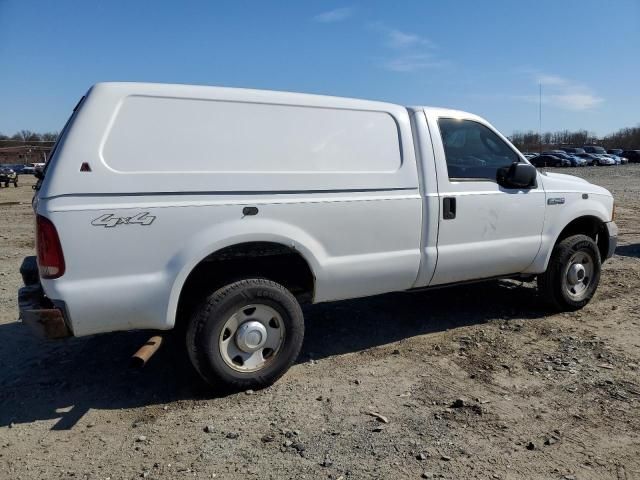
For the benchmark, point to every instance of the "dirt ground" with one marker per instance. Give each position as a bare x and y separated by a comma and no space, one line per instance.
475,382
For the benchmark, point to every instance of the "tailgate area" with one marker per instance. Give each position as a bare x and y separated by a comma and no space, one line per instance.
36,310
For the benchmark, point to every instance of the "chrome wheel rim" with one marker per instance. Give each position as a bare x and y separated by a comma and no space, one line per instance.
251,338
578,275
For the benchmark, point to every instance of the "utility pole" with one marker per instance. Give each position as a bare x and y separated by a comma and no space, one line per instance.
540,116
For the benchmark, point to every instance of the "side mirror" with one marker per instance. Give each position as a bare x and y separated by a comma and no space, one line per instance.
518,175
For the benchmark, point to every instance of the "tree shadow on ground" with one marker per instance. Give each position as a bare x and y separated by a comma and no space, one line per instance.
47,380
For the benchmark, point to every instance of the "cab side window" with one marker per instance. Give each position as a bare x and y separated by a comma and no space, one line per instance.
473,151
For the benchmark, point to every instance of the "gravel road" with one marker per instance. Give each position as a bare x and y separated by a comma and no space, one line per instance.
469,382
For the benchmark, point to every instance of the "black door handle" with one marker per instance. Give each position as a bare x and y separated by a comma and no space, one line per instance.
448,208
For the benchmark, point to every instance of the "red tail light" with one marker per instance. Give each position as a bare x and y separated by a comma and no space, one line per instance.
50,257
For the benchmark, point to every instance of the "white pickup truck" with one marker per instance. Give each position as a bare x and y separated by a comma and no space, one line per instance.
220,210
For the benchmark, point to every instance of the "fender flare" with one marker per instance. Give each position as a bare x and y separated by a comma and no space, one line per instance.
233,233
550,236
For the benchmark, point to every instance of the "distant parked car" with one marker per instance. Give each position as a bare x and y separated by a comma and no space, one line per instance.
632,155
594,149
573,150
17,167
590,158
575,161
549,161
603,160
38,168
580,162
616,158
618,153
7,176
32,168
529,155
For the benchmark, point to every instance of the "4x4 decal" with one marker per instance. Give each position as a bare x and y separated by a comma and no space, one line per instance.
109,220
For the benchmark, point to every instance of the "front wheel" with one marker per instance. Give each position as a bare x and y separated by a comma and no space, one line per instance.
246,335
573,273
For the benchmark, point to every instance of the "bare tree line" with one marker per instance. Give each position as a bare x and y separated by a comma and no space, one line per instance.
625,138
27,136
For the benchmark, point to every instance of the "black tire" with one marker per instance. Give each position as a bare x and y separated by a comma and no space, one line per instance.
206,329
554,284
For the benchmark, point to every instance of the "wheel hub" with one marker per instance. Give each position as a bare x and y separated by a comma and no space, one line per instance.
578,276
251,336
576,273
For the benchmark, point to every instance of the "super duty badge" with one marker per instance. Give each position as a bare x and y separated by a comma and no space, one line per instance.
108,220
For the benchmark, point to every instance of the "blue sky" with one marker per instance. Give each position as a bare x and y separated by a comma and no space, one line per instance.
487,57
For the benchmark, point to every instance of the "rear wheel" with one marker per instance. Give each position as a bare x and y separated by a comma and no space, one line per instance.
246,335
573,273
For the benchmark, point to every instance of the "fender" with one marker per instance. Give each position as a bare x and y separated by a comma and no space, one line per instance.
557,217
231,233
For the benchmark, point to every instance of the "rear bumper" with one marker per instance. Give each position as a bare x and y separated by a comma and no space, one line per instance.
38,312
612,231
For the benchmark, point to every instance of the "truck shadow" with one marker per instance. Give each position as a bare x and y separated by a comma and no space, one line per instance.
47,380
632,250
355,325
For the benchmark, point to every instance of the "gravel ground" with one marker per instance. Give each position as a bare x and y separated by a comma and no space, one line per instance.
469,382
